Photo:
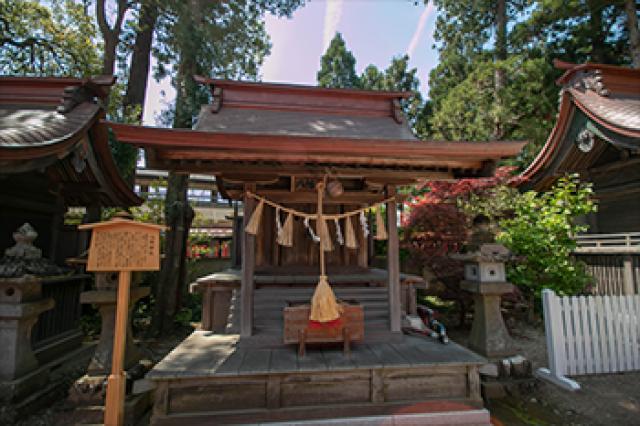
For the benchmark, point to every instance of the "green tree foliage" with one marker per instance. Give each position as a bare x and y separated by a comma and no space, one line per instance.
338,66
539,228
42,41
337,70
575,31
397,77
516,40
469,110
541,232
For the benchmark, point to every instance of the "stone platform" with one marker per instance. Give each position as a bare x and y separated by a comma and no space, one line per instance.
212,378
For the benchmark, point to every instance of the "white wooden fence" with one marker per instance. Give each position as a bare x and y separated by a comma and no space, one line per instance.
588,335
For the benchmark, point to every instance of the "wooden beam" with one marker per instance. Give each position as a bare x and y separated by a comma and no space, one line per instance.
248,267
240,178
282,196
338,158
393,263
251,170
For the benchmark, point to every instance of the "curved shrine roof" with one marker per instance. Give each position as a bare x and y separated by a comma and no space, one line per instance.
598,101
264,127
53,124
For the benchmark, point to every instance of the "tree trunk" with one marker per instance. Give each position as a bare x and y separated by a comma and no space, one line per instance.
531,312
109,57
178,213
141,58
500,77
634,33
110,35
170,279
598,44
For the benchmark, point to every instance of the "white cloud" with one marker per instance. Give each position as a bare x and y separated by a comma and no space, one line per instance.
422,22
332,15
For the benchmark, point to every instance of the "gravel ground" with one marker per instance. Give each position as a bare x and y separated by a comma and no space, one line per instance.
604,399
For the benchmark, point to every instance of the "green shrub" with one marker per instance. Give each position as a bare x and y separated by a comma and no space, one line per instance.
540,232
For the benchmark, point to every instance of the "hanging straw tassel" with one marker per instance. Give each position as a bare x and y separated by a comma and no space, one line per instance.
254,222
339,237
323,234
285,237
324,306
381,230
350,240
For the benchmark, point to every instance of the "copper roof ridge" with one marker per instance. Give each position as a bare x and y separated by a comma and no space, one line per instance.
51,91
571,69
272,86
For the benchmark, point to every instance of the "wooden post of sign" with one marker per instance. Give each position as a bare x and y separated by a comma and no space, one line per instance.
121,245
114,413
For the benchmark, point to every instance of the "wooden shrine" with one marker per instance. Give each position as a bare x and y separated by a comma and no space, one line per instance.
313,164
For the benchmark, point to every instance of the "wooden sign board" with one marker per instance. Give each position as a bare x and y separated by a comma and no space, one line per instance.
124,245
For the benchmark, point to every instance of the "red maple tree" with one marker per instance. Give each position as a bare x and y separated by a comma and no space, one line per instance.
435,227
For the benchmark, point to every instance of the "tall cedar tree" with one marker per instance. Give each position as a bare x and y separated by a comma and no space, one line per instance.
220,39
337,70
515,41
398,77
337,66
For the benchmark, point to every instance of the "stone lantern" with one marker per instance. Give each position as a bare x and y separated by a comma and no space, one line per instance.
484,274
21,302
485,278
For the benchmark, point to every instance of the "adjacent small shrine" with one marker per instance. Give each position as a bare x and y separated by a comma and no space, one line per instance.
597,135
54,155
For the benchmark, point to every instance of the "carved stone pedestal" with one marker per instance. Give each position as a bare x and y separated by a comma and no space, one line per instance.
105,298
489,335
20,304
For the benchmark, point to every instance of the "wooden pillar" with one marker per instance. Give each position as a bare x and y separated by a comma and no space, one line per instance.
235,237
393,262
248,266
628,286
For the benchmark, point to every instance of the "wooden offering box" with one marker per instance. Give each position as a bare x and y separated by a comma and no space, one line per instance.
297,329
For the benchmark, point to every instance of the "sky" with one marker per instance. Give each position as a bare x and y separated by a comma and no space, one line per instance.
374,31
